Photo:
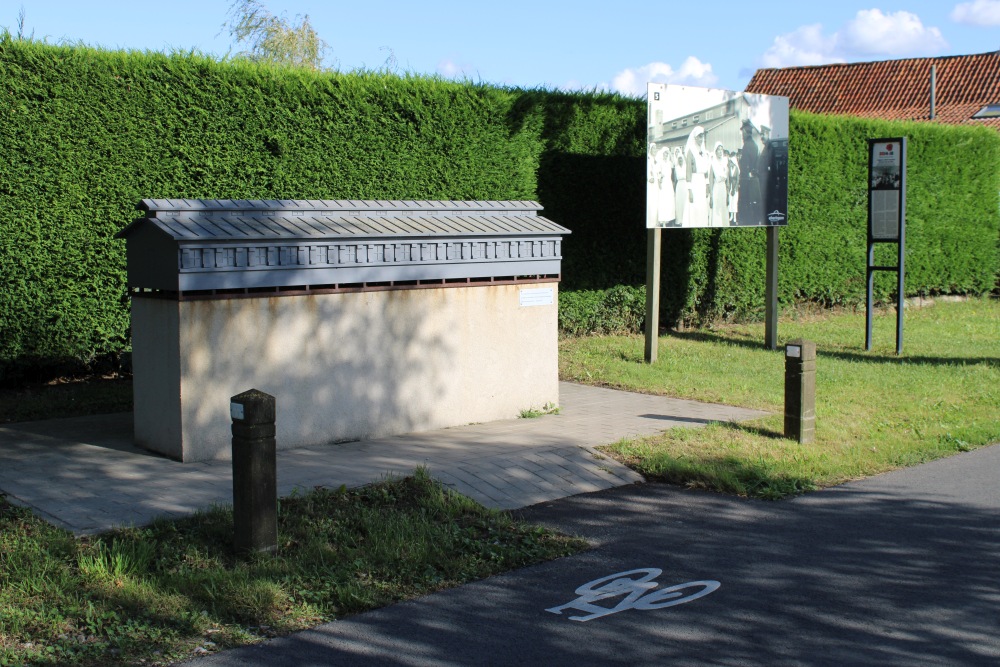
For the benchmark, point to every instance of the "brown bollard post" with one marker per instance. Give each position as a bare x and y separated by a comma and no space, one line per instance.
800,390
255,487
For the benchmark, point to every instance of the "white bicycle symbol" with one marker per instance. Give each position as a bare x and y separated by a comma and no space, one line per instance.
638,588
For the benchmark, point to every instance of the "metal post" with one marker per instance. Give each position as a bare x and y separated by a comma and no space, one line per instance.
901,284
255,488
771,291
800,390
869,294
652,294
900,300
933,89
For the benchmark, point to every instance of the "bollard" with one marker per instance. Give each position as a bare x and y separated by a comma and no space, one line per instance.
800,390
255,487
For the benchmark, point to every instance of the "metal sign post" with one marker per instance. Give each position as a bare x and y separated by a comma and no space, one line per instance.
771,291
652,294
886,221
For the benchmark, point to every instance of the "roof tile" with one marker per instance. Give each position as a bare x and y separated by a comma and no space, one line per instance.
891,89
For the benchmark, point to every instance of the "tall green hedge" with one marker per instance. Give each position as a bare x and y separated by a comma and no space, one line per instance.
86,133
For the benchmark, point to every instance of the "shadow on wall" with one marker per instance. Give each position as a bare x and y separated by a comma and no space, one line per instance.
338,365
358,365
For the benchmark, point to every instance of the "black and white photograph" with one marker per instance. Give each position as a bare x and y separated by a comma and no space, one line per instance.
886,166
715,158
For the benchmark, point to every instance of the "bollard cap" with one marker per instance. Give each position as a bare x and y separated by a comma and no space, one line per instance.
800,349
252,407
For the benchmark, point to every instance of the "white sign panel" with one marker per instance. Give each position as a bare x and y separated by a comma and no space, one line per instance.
539,296
715,158
885,214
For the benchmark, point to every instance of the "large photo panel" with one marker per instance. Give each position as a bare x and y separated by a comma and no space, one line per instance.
715,158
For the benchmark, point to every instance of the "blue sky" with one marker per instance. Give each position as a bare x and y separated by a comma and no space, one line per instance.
610,45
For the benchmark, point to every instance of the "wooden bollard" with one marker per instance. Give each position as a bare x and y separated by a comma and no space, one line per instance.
255,485
800,390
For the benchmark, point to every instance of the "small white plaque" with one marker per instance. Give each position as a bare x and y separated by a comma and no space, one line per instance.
538,296
236,410
793,351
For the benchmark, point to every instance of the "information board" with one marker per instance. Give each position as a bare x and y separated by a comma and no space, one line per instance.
886,222
886,189
715,158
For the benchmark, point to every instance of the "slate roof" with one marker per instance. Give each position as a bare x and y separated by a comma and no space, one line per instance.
210,220
891,89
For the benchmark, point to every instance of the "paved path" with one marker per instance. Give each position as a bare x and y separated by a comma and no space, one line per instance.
895,570
85,474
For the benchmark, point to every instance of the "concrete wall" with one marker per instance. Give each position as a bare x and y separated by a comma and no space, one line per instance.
156,377
341,366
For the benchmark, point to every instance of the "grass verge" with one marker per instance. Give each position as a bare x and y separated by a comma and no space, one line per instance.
875,411
175,589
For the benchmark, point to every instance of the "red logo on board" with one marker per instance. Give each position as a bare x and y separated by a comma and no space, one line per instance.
888,147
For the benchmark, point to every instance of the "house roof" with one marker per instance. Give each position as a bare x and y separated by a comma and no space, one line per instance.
891,89
242,220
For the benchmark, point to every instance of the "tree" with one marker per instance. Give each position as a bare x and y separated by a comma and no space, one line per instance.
273,39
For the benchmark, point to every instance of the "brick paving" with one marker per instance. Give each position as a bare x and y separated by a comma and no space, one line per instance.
84,474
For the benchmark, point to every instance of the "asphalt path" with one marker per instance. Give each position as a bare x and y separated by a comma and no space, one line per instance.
900,569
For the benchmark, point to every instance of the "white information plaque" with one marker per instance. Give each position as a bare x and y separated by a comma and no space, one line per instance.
885,214
537,296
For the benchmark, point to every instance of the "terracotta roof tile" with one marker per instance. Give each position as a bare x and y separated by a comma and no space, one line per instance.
891,89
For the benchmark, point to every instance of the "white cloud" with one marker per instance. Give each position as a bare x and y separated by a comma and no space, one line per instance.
691,72
895,34
806,46
978,12
870,34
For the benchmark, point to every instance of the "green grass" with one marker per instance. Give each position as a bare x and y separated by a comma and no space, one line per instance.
175,589
875,411
532,413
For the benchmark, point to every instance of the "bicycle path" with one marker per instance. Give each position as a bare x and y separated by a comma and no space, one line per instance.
900,569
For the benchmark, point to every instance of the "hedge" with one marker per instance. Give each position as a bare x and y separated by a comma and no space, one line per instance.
85,133
618,310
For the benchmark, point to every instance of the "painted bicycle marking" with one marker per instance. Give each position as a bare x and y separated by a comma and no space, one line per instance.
640,592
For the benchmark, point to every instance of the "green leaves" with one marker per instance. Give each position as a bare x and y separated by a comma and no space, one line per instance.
86,133
619,310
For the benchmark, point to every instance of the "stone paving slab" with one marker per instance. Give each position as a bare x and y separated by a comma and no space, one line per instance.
86,475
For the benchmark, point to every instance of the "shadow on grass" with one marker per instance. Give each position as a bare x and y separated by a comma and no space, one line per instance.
728,474
678,419
739,341
753,430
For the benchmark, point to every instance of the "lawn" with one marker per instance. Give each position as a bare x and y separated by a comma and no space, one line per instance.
175,589
875,411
